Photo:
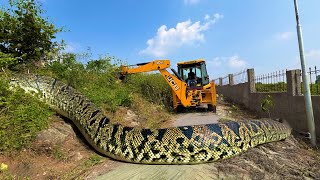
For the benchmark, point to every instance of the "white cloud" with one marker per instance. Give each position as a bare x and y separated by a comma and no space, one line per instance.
284,36
234,62
74,47
313,58
185,33
206,17
313,55
216,62
191,2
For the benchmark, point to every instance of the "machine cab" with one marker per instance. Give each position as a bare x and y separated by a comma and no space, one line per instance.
194,73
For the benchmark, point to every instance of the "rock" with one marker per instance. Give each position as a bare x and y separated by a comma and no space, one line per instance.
134,124
56,133
52,136
131,117
77,156
130,113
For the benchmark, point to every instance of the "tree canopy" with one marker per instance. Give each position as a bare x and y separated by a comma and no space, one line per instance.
24,33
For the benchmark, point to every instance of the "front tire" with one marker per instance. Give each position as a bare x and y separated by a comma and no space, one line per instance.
212,108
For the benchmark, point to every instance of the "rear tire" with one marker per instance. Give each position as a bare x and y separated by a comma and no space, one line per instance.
212,108
179,109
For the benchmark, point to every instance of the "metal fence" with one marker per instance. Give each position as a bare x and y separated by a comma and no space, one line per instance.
216,81
271,82
314,80
240,77
225,80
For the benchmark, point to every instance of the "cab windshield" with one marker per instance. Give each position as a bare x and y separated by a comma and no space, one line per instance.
189,72
195,71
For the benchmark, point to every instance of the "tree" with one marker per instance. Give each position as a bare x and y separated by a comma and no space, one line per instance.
24,33
101,65
7,60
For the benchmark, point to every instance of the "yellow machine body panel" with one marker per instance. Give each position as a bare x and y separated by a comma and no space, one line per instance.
190,62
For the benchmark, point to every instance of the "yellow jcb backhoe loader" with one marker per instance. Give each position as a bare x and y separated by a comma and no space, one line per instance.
190,85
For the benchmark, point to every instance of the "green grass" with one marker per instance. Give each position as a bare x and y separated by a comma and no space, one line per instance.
59,153
278,87
152,87
22,116
314,89
94,160
282,87
97,80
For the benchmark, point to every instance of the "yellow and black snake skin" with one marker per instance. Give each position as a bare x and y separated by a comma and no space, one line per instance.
175,145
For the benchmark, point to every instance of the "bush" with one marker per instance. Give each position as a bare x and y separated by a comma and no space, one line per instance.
153,87
22,116
97,80
105,91
68,70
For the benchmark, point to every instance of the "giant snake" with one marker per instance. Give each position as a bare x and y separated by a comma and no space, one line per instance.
174,145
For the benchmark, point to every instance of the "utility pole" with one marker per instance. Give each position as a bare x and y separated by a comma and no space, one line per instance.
307,95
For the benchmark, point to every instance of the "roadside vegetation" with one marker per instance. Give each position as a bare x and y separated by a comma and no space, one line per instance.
97,80
21,117
146,94
26,40
27,45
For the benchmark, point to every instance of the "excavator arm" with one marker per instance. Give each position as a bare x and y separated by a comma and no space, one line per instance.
145,67
178,86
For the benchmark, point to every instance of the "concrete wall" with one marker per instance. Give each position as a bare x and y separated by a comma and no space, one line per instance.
287,105
238,93
291,108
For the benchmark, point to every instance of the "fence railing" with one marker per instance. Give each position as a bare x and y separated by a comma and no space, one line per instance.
216,81
271,82
240,77
274,81
314,80
225,80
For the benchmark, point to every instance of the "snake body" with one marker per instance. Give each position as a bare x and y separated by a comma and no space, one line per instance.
175,145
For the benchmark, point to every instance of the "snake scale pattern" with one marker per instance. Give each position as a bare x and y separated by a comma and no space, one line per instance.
175,145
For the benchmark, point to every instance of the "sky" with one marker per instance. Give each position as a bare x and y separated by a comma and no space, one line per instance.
230,35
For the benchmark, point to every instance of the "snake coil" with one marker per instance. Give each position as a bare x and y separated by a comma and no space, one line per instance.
175,145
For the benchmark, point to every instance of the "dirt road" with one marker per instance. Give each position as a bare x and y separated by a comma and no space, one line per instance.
135,172
186,119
